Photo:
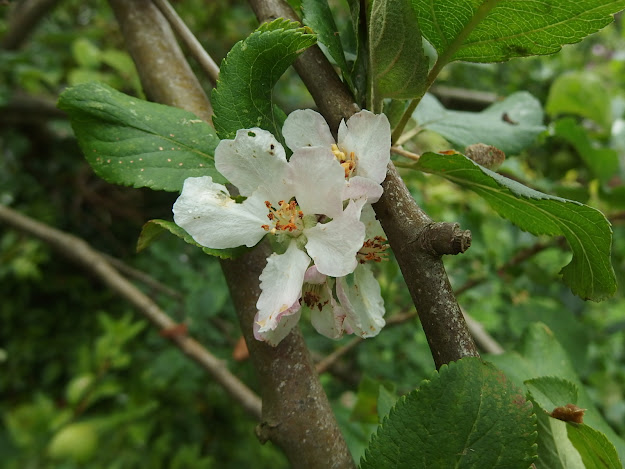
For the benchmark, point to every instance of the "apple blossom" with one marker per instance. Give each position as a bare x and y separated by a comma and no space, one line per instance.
363,148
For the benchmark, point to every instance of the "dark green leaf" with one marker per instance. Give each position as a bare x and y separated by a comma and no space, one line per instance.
398,65
540,354
497,30
510,125
595,449
588,232
467,416
154,228
133,142
242,98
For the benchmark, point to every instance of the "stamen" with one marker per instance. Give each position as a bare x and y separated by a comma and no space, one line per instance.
347,162
286,218
373,249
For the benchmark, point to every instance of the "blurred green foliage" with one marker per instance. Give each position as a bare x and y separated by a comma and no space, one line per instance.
77,364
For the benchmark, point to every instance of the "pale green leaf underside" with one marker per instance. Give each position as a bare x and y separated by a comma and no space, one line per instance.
510,125
133,142
398,63
589,234
242,98
596,450
497,30
467,416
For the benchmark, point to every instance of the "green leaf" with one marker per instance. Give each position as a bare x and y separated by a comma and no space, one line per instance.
318,16
386,400
595,449
242,98
582,94
467,416
397,63
154,228
551,391
603,162
588,232
510,125
133,142
497,30
539,354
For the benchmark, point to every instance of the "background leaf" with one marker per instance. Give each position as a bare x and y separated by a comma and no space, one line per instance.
589,274
398,65
154,228
540,354
242,97
519,128
135,143
497,30
467,415
595,449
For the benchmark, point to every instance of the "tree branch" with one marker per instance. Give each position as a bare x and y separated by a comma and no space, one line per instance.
23,20
80,252
296,414
402,219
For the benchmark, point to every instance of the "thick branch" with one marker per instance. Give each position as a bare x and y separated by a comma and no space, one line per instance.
165,74
402,219
23,20
296,413
80,252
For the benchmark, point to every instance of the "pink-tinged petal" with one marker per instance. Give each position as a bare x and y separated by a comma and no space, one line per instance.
254,160
281,286
333,246
358,186
284,327
328,316
206,211
318,180
362,302
369,136
313,276
306,128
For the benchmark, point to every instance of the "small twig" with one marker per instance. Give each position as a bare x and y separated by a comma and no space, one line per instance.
483,339
405,153
197,51
80,252
24,20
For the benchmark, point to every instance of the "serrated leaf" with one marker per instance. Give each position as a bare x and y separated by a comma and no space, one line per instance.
318,16
550,392
540,354
154,228
397,63
497,30
135,143
467,416
589,274
510,125
386,400
242,97
595,449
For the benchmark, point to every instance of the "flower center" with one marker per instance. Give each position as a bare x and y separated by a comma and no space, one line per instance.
373,249
311,296
286,218
347,162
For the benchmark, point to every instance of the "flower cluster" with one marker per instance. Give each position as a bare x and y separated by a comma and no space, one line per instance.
317,208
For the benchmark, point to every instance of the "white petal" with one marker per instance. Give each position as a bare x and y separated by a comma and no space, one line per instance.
362,302
206,211
333,246
313,276
372,225
358,186
369,136
253,160
275,336
318,181
328,320
281,284
306,128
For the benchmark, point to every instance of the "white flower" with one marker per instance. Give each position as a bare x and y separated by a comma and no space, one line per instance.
290,200
363,147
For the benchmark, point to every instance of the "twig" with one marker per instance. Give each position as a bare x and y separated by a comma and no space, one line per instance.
405,153
197,51
485,341
23,21
80,252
